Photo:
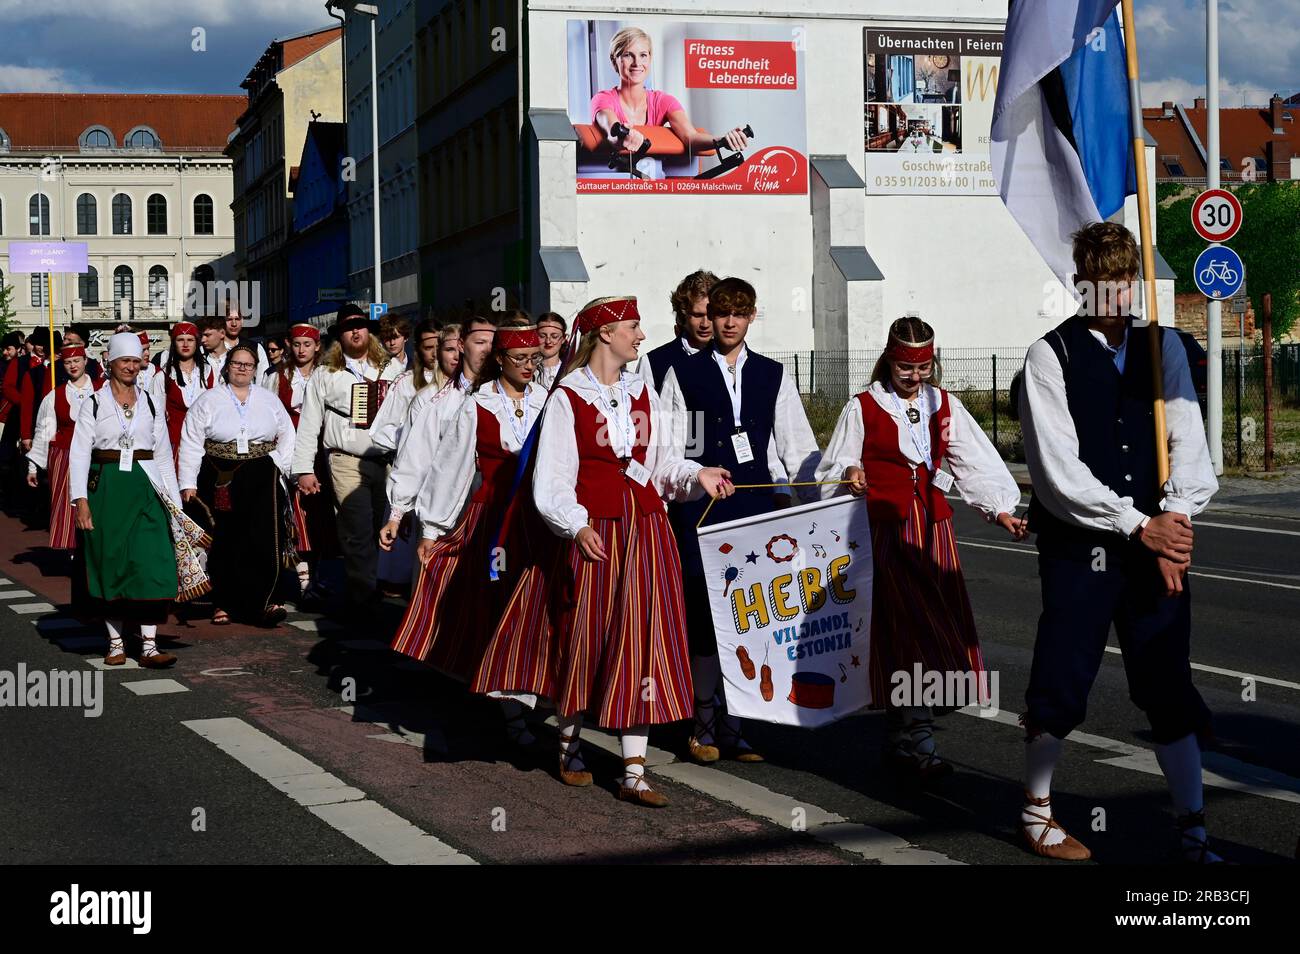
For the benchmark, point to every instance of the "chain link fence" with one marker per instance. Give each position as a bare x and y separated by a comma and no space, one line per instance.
981,378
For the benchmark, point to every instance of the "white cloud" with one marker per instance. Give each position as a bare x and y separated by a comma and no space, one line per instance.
36,79
1177,90
148,14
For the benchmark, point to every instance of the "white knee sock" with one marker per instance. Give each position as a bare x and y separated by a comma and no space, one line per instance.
304,576
569,731
634,742
114,627
1041,753
149,637
1181,763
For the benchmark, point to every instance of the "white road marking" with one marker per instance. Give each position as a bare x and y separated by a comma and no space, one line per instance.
1221,771
99,663
1265,680
346,809
15,594
155,687
1029,551
863,840
1233,526
26,609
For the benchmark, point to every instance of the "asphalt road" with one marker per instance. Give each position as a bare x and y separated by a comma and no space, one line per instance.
313,744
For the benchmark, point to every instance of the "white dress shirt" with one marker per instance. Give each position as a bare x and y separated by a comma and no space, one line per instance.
47,420
328,408
555,479
195,384
102,430
546,374
393,417
215,417
429,415
1065,484
792,451
643,368
983,480
455,475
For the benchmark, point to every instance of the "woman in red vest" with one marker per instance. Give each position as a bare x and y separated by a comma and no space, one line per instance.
55,422
605,460
890,443
454,609
315,533
184,376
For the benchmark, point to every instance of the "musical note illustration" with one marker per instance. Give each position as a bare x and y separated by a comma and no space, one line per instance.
844,673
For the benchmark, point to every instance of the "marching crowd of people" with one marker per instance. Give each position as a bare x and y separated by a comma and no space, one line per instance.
532,490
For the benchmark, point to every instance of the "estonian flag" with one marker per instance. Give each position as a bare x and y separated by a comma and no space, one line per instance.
1062,136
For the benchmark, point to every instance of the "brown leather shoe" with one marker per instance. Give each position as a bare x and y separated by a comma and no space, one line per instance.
702,754
157,661
642,796
579,779
115,659
1069,850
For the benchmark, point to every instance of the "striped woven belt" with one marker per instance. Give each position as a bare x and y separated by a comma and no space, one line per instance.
225,450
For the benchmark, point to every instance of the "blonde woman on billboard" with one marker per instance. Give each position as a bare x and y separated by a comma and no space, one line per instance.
618,111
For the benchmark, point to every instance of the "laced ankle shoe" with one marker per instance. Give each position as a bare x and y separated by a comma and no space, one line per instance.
1195,846
923,761
635,788
572,770
1068,849
706,727
732,742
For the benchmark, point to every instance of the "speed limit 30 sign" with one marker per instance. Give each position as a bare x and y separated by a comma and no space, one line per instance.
1216,215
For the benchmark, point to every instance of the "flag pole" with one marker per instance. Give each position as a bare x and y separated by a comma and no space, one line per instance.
1148,247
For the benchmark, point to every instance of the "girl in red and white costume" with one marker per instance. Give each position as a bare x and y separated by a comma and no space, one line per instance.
890,442
606,458
184,376
313,514
56,419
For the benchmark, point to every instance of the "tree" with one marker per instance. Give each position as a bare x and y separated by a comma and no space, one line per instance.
7,314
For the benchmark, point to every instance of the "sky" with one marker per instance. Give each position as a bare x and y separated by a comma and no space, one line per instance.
135,46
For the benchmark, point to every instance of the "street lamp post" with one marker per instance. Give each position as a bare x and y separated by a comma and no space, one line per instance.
1214,309
372,10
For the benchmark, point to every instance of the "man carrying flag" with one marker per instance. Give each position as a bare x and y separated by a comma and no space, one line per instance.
1113,434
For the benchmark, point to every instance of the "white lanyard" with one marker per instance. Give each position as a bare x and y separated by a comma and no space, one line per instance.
241,407
518,416
732,373
625,419
921,444
127,424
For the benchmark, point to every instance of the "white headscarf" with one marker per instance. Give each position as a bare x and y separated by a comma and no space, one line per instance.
124,344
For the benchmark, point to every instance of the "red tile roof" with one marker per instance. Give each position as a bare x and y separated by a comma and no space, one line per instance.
1244,132
301,47
54,122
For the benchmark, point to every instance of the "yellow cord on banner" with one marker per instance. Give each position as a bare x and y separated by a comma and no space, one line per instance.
798,483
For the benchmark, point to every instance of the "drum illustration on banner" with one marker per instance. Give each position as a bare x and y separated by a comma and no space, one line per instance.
793,618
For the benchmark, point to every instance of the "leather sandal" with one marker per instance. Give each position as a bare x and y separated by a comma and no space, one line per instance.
702,753
635,792
568,756
733,745
904,755
115,659
1195,850
1068,850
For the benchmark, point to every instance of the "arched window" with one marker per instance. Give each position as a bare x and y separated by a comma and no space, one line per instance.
204,223
158,286
123,283
87,214
156,215
142,137
121,214
38,215
88,286
96,137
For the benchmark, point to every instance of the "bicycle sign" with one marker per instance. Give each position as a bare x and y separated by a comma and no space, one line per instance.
1216,215
1219,272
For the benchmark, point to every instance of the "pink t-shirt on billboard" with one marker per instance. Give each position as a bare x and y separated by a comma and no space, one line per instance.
658,105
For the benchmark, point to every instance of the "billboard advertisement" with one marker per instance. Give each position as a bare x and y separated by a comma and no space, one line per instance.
668,107
929,106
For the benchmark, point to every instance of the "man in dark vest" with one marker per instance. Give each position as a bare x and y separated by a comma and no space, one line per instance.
736,409
692,328
1114,545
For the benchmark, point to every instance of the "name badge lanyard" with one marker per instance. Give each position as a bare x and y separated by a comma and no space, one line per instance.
126,439
624,419
518,415
731,373
241,442
922,442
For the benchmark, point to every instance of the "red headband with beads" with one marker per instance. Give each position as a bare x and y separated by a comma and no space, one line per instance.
910,353
507,338
184,328
605,311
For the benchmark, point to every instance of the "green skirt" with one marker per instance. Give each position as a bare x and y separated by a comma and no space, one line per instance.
129,555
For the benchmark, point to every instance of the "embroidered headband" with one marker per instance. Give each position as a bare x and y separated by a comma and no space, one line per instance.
72,352
184,328
144,338
604,311
305,331
910,352
507,338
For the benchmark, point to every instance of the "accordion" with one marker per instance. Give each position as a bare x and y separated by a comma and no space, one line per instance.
365,403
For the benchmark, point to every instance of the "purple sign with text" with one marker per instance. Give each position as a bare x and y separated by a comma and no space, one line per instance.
57,257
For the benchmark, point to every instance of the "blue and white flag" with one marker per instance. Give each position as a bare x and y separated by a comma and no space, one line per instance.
1062,136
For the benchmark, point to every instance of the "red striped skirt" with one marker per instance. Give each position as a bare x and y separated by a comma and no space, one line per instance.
453,613
622,645
314,528
920,612
63,523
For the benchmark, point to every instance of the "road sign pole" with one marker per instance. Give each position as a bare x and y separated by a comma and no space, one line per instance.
1214,309
49,301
